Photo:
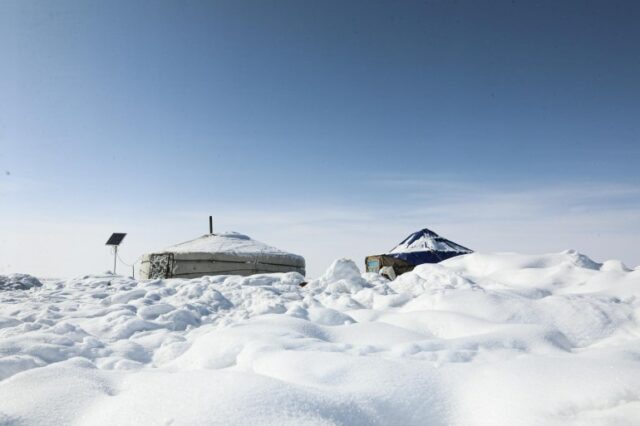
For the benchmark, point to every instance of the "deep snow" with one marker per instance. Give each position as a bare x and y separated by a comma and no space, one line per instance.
494,339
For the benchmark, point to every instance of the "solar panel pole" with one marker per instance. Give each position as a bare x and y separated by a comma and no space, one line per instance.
114,240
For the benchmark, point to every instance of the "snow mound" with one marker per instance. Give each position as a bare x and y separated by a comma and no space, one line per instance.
18,282
614,265
343,276
495,339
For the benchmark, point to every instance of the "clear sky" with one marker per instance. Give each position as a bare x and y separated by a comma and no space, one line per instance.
328,128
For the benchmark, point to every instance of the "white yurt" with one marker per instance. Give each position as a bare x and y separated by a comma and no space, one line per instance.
228,253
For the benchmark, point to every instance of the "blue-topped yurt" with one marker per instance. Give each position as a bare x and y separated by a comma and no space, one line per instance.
424,246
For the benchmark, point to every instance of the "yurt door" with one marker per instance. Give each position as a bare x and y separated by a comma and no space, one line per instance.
161,265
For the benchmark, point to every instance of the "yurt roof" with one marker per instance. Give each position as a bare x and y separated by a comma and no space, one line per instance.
425,246
427,240
229,243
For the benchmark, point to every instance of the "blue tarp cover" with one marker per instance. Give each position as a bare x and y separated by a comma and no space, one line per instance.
419,257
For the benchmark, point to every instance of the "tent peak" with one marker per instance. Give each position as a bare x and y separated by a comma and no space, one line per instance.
228,234
427,240
428,232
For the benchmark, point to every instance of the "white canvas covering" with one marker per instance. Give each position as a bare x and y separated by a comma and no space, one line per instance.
228,253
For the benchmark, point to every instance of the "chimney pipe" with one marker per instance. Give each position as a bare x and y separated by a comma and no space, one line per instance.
210,224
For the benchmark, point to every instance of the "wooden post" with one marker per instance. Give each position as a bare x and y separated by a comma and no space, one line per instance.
210,224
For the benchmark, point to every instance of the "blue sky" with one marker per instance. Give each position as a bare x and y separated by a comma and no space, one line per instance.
328,128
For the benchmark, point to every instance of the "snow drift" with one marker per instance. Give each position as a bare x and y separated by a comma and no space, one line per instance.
495,339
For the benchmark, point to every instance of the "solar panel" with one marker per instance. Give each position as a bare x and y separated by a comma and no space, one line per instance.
115,239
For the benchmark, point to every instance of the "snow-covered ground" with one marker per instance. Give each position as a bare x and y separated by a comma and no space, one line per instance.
491,339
